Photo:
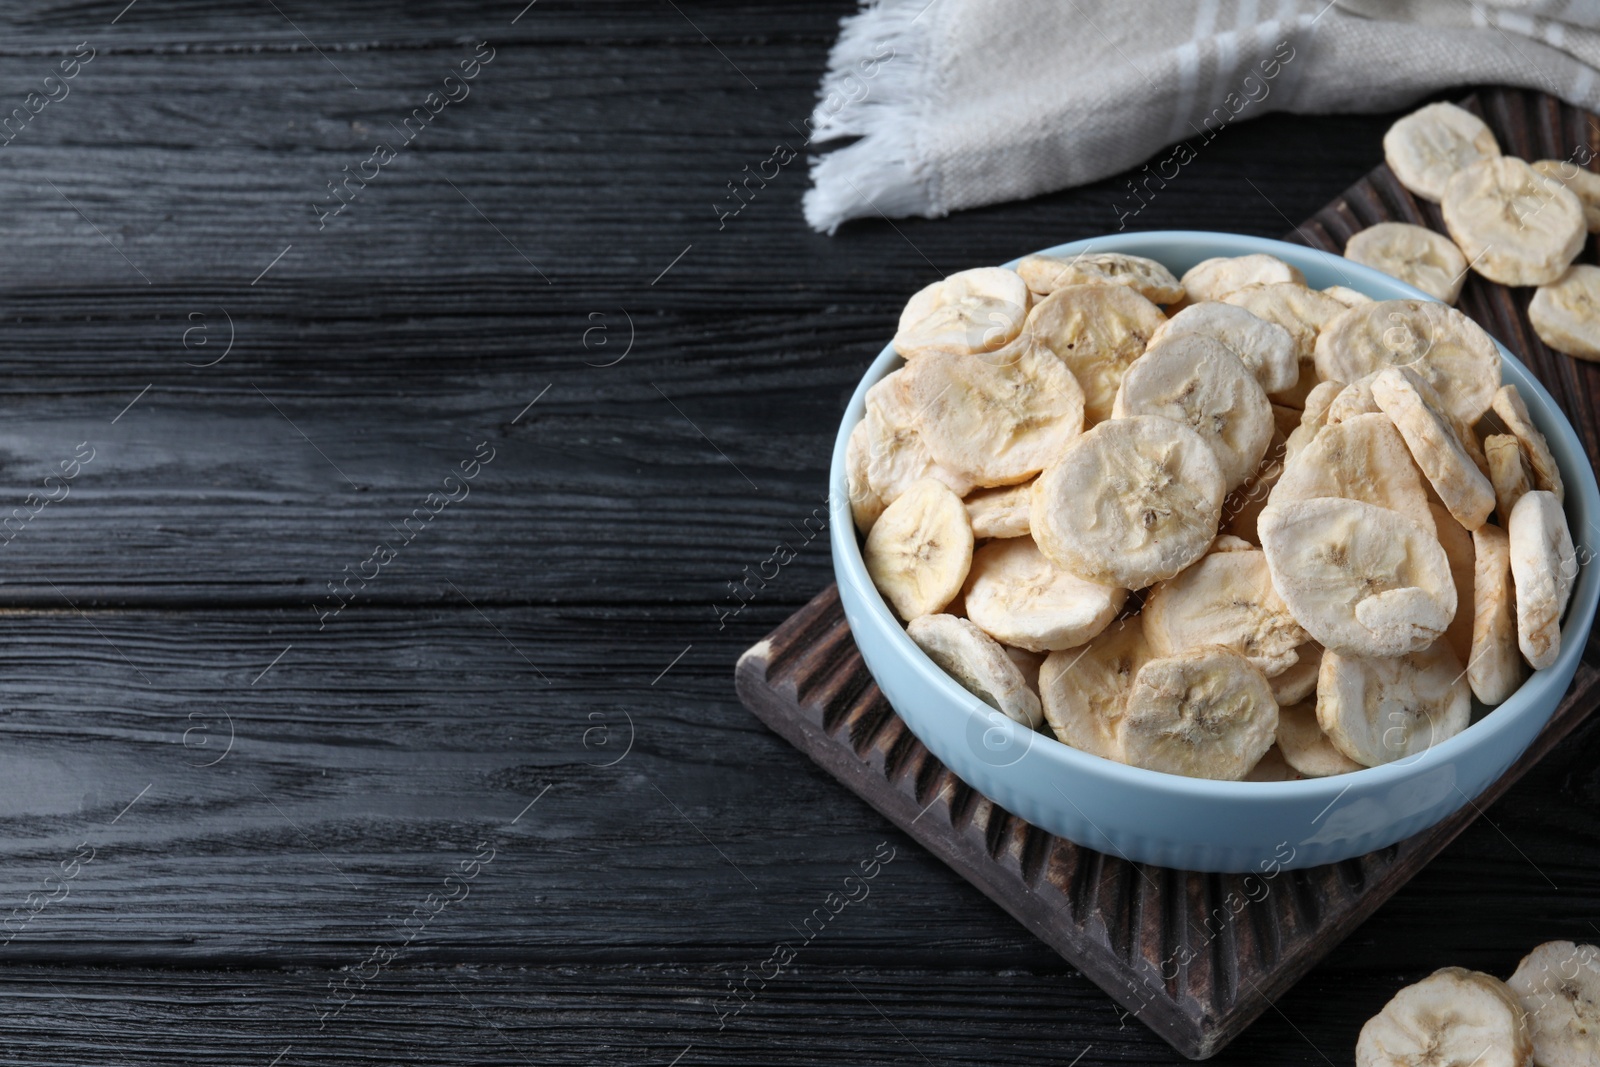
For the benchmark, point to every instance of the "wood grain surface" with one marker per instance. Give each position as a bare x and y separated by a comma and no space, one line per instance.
231,907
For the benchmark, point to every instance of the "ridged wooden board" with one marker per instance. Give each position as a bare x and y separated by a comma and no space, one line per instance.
1169,945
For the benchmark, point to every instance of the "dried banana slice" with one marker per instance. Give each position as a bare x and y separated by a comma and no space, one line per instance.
1494,668
1226,599
1028,663
1436,447
1566,313
1229,543
1379,709
1151,280
1417,256
1354,399
920,549
995,423
971,311
1205,713
1020,598
1213,279
1085,689
1558,986
1585,185
1001,511
1457,545
1265,348
1198,382
1514,413
1301,311
1452,1018
1347,296
1096,330
1361,458
896,453
1129,503
1543,568
1509,472
978,664
1299,682
1243,506
1272,768
1428,146
1360,579
865,503
1319,402
1305,747
1445,348
1514,225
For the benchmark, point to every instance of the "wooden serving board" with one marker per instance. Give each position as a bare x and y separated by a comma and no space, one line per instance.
1196,957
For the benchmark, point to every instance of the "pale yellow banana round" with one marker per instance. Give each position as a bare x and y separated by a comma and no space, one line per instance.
1558,986
896,454
1584,183
1265,348
995,423
1028,663
1301,311
1213,279
1001,511
920,549
1313,418
1494,668
1457,545
1226,542
1514,413
865,503
1151,280
1305,747
1418,256
1566,313
1361,458
1085,689
1360,579
1227,599
1129,502
1198,382
1452,1018
1436,446
1445,348
971,311
1243,506
1544,566
1020,598
1509,472
1428,146
1097,331
1206,713
1346,295
1514,225
1272,768
1379,709
1299,682
978,664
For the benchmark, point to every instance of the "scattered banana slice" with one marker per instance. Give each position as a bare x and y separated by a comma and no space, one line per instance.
1361,458
1428,146
1514,225
1206,713
1566,313
995,423
1558,986
971,311
978,664
1379,709
920,549
1265,348
1198,382
1226,599
1020,598
1299,682
1452,1018
1494,668
1243,506
1272,768
1213,279
1514,413
1129,503
1445,348
1458,550
1301,311
896,453
1085,689
1001,511
865,503
1096,330
1509,472
1543,566
1585,185
1360,579
1347,296
1151,280
1436,447
1416,255
1306,748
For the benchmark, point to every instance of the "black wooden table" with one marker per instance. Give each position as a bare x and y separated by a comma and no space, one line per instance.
367,636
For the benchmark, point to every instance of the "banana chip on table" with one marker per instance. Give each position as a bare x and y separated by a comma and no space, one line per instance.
1085,689
1514,225
1018,597
1585,185
1428,146
971,311
920,549
1206,712
1439,344
1225,599
1215,278
1543,568
1384,708
1558,986
1097,331
1566,313
1151,280
1265,348
1452,1018
978,664
1418,256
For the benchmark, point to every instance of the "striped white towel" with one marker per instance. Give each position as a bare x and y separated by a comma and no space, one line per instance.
958,103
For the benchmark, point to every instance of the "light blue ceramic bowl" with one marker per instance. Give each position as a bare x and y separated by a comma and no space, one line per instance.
1192,823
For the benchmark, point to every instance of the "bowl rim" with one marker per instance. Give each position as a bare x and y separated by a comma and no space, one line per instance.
849,566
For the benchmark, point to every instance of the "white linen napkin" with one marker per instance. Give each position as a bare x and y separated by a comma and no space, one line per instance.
959,103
